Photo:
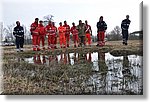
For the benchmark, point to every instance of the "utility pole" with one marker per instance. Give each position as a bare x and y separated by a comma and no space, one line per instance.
1,31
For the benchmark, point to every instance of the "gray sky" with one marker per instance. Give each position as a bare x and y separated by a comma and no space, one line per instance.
114,11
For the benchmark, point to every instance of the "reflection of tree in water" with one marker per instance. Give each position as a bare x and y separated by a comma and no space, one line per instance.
121,77
128,83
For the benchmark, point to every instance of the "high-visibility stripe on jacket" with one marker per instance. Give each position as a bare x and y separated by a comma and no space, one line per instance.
74,31
67,29
51,30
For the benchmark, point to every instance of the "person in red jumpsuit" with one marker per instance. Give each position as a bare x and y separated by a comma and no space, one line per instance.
35,34
41,36
50,32
53,35
55,42
62,38
74,32
67,32
88,33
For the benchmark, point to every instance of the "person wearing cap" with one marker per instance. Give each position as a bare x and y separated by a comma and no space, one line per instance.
125,26
35,34
67,32
41,36
62,38
101,28
81,32
88,33
18,32
74,32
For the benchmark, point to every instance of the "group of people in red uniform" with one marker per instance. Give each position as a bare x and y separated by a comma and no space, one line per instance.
80,33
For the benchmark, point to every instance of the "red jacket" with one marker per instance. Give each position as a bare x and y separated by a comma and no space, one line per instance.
88,29
67,29
41,29
61,30
74,31
51,30
33,28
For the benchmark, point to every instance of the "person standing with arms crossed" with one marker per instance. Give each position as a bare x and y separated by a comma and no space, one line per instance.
125,26
81,32
74,32
88,33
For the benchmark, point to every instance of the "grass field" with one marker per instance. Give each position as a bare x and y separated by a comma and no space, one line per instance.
24,78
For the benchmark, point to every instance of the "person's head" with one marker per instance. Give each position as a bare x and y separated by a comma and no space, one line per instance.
60,23
41,22
86,22
18,23
73,24
50,23
65,22
101,18
127,16
36,20
53,23
80,22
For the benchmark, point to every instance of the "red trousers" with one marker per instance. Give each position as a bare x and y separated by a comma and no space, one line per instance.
34,42
51,41
100,37
62,39
88,38
67,36
41,38
76,39
55,40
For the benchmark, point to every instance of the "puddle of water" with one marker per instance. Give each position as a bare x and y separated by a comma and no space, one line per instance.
111,75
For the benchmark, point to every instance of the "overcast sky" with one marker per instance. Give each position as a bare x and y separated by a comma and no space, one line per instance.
113,11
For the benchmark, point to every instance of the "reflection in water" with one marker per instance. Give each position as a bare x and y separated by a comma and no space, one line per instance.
110,75
38,60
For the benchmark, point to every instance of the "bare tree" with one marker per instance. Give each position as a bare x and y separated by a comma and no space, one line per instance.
48,18
115,34
8,32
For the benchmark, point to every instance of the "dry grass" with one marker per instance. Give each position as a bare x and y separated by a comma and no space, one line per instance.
24,78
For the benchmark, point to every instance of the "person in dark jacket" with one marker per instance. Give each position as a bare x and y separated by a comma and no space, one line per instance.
125,26
101,28
18,32
81,33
